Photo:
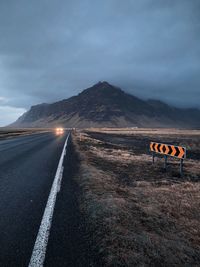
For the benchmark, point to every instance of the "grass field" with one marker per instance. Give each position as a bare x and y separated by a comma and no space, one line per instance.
10,132
139,214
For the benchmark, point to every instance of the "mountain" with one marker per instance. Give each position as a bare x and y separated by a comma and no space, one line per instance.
105,105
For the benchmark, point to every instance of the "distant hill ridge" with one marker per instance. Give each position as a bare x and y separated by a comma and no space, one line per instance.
105,105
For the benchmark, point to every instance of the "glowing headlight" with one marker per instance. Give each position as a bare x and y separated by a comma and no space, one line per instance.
59,131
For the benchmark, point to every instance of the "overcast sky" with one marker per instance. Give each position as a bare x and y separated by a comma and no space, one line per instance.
50,50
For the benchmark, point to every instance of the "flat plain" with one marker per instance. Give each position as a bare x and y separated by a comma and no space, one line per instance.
6,132
138,213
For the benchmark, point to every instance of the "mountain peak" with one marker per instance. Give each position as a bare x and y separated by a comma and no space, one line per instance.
102,88
102,84
106,105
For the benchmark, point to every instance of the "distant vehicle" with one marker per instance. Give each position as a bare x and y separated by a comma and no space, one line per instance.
59,131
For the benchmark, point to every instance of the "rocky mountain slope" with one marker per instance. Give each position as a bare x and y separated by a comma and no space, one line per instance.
104,105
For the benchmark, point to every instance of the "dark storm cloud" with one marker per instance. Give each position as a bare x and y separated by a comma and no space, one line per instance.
50,50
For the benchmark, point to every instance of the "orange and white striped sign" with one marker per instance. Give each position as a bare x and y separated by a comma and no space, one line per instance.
169,150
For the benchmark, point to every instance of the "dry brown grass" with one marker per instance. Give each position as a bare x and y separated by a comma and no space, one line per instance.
148,131
10,132
140,215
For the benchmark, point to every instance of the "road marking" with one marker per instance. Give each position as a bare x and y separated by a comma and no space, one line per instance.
39,250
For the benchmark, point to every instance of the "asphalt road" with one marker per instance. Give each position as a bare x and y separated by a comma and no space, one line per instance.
28,166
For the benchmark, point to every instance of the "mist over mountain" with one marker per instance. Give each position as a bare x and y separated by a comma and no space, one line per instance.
105,105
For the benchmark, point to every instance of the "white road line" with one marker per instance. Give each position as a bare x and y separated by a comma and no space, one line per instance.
39,250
